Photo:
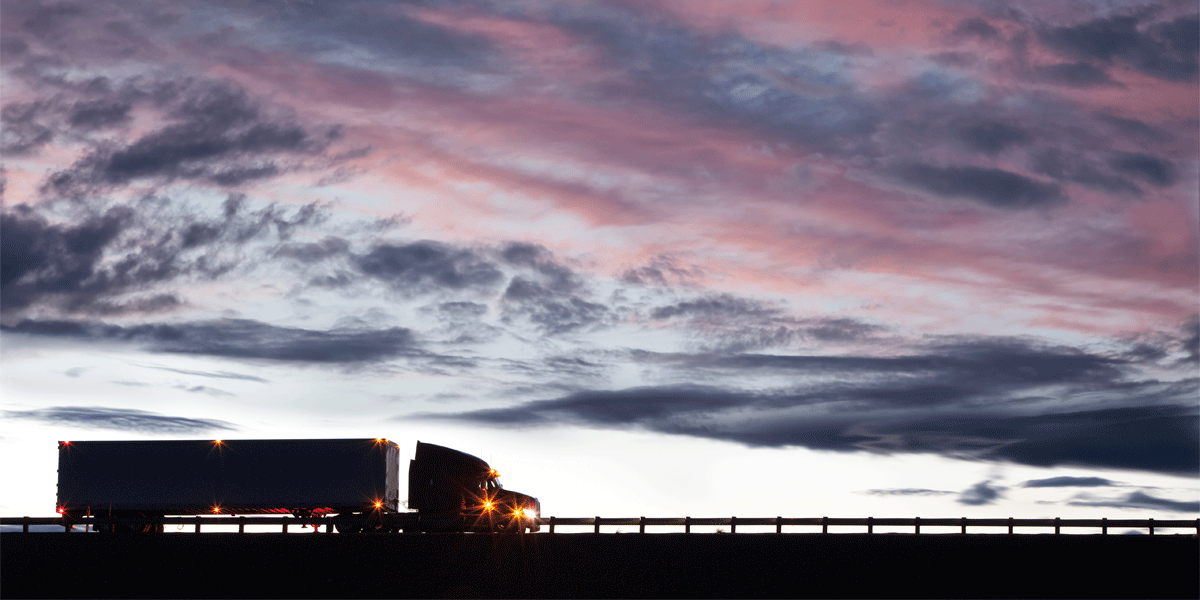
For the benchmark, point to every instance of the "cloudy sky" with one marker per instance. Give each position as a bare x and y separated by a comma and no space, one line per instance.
662,258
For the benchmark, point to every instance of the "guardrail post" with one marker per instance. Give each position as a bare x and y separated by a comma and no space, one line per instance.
870,524
642,524
552,520
1056,531
732,524
241,524
1197,526
824,524
964,524
285,526
1104,526
1151,526
917,524
1010,526
597,522
687,524
778,524
25,525
197,524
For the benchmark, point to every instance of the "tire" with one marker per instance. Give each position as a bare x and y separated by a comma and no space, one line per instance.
347,525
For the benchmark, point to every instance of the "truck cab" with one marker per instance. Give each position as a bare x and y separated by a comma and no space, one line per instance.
463,492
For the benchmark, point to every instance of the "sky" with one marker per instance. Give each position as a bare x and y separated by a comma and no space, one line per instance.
930,258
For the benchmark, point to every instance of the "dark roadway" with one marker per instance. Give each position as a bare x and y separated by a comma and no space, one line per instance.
609,565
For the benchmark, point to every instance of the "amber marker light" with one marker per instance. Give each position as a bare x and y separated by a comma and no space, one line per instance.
216,509
487,505
378,504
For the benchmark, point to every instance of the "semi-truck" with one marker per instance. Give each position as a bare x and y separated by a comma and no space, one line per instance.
129,486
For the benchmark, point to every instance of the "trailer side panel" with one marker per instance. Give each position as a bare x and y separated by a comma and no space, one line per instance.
229,477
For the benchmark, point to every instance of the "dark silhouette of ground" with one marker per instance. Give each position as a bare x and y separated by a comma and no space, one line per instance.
606,565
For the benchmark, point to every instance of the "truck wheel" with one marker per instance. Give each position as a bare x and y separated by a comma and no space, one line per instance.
347,528
348,525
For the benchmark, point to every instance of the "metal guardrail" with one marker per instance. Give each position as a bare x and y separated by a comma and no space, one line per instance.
871,522
686,522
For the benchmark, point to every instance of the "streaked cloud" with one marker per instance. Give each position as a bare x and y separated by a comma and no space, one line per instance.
126,419
1142,500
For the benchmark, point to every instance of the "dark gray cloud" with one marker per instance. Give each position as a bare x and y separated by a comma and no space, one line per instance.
993,187
1145,501
622,407
1150,169
215,133
1074,74
44,19
123,419
737,324
554,277
981,494
717,307
390,35
662,271
241,338
1058,164
1164,438
546,293
1135,129
25,128
99,114
1067,481
992,137
550,308
1190,342
976,27
38,258
315,252
784,95
1160,439
427,266
90,265
979,399
1167,50
976,364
